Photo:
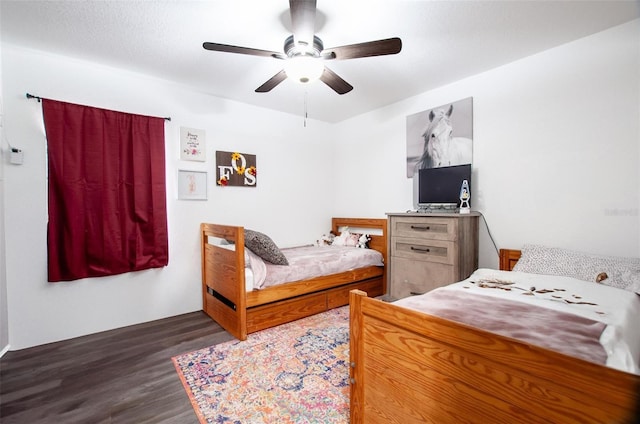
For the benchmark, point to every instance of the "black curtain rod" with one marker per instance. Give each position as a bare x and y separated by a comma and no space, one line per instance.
39,99
31,96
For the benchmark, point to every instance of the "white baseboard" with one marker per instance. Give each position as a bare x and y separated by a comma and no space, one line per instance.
5,350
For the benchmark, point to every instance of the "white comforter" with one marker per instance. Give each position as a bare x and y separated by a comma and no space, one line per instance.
618,309
307,262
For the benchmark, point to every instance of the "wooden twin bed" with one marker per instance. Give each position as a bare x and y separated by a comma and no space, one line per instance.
240,312
410,367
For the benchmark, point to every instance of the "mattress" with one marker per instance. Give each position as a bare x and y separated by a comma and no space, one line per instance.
617,309
307,262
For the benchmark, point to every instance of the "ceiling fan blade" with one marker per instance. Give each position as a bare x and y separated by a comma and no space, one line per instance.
370,48
272,82
303,20
242,50
336,83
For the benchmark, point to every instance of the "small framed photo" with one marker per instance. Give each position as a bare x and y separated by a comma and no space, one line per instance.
192,185
192,144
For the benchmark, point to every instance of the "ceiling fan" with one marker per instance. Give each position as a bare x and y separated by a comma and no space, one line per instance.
304,52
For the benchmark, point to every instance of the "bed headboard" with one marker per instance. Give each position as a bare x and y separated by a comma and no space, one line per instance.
377,225
508,258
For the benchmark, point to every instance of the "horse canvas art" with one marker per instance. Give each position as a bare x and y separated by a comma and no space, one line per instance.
435,143
440,147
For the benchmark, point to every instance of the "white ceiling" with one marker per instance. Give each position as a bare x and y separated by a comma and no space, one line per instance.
443,41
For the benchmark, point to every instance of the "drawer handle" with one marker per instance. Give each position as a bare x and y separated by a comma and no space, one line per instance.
420,227
421,249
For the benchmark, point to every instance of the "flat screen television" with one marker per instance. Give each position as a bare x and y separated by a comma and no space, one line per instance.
439,188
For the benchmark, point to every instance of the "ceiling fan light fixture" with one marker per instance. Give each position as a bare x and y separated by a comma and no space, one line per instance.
304,52
304,68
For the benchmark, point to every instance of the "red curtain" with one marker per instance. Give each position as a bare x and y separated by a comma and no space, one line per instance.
107,193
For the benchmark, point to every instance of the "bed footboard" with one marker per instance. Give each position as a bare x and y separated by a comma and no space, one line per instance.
223,285
409,367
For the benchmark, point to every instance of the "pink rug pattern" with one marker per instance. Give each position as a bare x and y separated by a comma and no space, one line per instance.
293,373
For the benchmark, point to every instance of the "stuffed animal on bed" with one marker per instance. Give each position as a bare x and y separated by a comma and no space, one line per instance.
363,241
346,238
349,239
326,239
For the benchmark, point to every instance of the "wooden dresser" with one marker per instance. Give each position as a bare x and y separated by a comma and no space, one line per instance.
429,250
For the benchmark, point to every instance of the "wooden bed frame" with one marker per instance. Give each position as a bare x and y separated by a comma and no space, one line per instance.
225,299
409,367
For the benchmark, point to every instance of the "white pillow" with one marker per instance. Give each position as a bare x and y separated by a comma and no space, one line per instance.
621,272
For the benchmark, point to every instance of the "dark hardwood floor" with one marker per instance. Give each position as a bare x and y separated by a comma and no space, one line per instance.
119,376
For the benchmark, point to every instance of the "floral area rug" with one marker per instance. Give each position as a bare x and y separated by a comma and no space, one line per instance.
293,373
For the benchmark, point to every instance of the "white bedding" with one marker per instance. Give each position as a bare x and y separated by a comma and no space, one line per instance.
314,261
305,262
617,308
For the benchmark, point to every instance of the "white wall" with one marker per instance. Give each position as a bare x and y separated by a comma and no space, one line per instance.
556,156
291,163
4,314
556,149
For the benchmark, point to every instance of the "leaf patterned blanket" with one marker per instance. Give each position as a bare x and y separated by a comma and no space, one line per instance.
578,318
555,330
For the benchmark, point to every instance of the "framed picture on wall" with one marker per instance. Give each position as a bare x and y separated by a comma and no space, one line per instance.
441,136
236,169
192,185
192,144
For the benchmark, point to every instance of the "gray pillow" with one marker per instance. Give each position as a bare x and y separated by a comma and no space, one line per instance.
263,246
621,272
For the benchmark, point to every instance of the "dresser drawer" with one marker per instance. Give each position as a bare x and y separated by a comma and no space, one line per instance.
424,250
411,277
424,227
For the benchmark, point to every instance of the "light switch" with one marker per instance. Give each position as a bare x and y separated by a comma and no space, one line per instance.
17,157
